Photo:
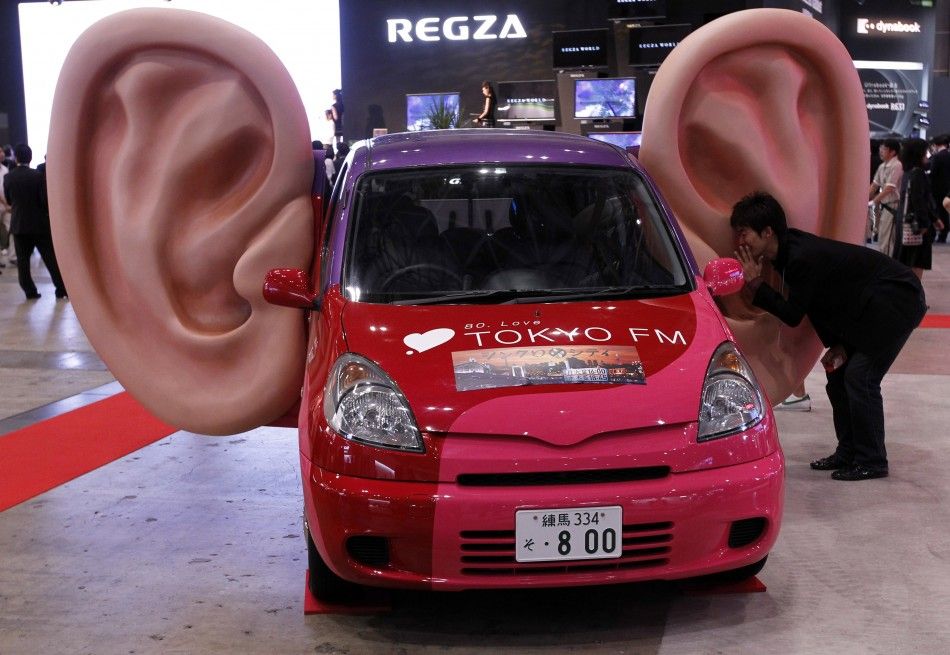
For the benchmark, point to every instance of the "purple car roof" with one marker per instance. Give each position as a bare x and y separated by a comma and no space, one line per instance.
467,146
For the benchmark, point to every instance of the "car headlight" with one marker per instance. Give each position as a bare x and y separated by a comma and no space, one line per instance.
732,400
362,403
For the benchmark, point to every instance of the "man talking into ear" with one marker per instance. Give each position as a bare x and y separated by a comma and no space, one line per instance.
863,305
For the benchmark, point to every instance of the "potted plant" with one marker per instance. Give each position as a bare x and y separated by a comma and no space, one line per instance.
442,115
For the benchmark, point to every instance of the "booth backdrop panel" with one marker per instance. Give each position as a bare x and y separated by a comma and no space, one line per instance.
378,74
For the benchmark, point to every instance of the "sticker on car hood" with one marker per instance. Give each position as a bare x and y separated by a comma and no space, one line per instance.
576,364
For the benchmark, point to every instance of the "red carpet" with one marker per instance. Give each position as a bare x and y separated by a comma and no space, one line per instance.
52,452
936,321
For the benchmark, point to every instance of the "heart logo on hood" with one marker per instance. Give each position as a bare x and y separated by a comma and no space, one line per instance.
428,340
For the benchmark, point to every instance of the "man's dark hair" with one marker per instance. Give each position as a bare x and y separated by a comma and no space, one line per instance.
941,140
893,145
912,153
758,211
316,145
22,153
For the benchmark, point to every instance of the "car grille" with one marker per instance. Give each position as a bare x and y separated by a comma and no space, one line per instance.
492,552
563,477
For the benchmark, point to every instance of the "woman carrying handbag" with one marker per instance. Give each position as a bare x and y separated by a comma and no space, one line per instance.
918,220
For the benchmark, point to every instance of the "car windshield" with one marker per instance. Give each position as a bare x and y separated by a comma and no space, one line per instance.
490,234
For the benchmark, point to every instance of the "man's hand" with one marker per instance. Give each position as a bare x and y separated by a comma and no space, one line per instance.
751,267
834,358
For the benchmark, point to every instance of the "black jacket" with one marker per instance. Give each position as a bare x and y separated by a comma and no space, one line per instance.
25,191
854,296
940,177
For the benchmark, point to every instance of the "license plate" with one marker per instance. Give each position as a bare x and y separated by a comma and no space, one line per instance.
572,533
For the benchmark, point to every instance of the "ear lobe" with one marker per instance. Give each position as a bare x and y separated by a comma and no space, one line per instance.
760,100
179,174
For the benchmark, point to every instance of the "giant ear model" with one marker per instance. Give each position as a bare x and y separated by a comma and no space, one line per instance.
179,174
760,100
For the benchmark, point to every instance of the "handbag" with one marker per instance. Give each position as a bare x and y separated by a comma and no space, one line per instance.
910,229
910,236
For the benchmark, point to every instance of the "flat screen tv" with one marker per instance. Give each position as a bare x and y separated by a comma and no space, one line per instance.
605,97
422,108
622,139
650,44
525,101
580,48
620,9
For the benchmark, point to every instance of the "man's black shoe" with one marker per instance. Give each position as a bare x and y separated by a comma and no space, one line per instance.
61,294
858,472
829,463
33,296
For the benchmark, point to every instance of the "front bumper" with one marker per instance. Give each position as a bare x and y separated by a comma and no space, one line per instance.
452,537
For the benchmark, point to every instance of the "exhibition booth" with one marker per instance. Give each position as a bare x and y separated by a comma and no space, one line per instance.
559,46
522,365
540,57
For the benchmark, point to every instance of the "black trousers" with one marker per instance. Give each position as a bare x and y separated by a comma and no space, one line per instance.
24,245
857,406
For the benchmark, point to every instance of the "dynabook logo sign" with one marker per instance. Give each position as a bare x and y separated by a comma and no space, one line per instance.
455,28
886,28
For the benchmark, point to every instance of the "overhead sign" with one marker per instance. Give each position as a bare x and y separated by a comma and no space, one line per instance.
455,28
892,90
875,27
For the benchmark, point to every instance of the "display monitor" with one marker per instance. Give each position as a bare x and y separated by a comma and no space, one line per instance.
429,111
526,101
650,44
605,97
622,139
620,9
580,48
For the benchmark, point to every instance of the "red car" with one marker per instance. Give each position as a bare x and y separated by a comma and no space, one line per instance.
517,376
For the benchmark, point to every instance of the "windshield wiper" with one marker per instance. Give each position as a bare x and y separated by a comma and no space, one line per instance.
473,296
525,296
632,291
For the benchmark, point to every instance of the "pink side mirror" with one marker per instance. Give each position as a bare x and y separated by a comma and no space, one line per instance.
723,276
289,287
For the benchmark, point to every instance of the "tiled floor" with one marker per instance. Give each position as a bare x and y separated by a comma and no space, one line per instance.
193,544
44,355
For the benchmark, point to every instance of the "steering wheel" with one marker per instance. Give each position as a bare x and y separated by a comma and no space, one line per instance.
415,269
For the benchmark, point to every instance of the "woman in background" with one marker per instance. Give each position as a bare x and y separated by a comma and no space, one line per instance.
335,114
916,208
487,117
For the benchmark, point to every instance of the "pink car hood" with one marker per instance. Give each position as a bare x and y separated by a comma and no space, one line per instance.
559,372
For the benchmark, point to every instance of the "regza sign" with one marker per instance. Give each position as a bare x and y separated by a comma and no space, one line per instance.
454,28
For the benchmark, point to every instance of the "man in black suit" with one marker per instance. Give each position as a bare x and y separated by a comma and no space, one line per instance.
25,191
862,304
940,180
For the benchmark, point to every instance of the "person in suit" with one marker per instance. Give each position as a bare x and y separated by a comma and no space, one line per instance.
25,191
940,181
862,304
